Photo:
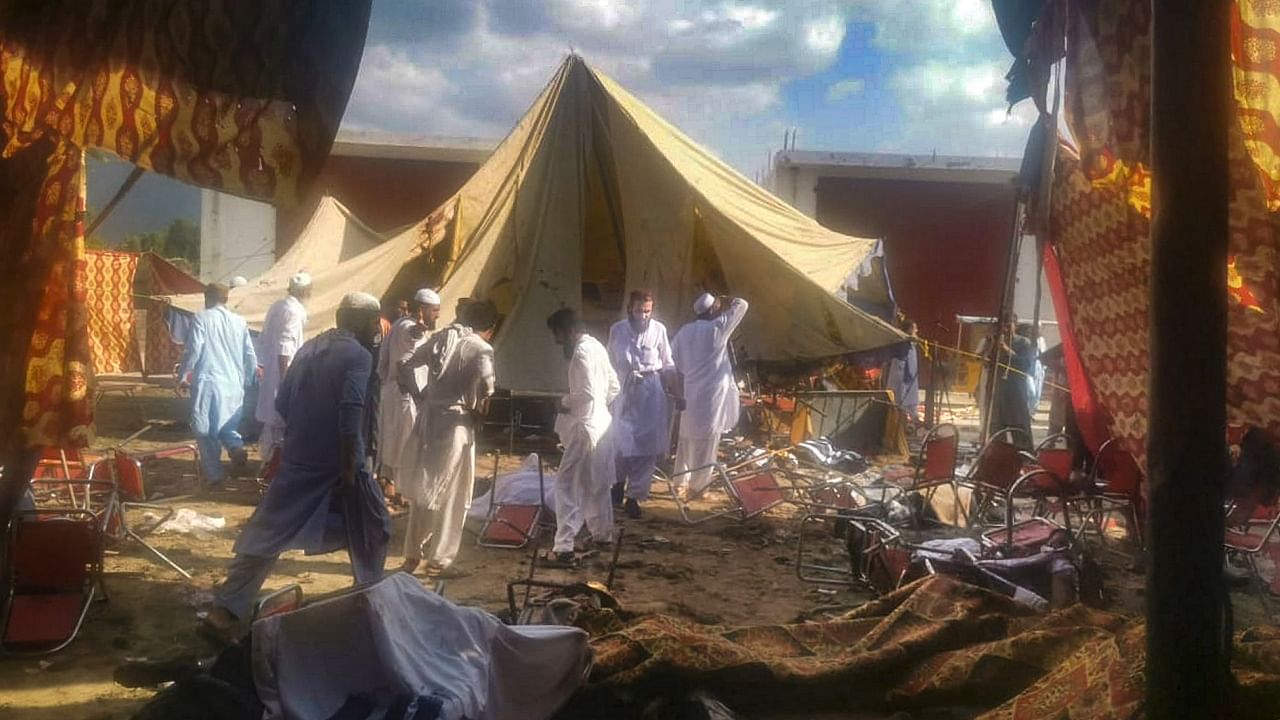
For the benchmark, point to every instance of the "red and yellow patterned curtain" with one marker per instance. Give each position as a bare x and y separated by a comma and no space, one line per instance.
1100,216
113,338
244,97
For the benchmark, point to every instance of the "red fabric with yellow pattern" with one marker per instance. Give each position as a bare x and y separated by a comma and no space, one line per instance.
242,97
113,339
1101,210
56,409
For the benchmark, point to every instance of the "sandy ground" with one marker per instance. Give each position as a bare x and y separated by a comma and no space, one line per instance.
723,571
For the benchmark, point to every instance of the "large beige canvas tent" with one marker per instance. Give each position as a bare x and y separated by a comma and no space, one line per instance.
591,195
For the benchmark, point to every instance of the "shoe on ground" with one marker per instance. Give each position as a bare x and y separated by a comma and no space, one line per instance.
632,509
616,493
562,560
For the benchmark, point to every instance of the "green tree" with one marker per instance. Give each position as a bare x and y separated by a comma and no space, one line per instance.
179,241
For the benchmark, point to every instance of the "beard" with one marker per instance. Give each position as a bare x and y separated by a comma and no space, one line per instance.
639,325
567,349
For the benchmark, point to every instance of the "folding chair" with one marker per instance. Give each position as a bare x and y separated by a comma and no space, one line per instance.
755,491
286,599
994,472
54,569
1057,455
1250,525
876,558
511,525
1114,486
936,465
131,486
1026,537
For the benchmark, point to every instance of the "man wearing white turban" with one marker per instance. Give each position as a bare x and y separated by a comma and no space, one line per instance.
282,332
701,351
398,407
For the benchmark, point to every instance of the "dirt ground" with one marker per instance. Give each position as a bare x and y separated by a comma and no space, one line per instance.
722,571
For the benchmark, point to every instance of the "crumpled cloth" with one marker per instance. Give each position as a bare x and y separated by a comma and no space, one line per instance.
393,639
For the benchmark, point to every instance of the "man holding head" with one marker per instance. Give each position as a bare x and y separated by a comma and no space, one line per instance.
701,351
439,460
582,485
641,354
218,361
398,406
279,341
323,497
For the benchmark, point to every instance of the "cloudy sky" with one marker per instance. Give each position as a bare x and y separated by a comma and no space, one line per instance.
858,75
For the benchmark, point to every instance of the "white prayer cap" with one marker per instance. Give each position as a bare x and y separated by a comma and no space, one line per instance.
703,303
426,296
360,301
299,281
237,281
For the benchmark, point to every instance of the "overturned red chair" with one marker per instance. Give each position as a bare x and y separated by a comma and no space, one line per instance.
512,525
55,573
750,489
131,487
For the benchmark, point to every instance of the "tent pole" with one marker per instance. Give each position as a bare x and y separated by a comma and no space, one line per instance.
1188,631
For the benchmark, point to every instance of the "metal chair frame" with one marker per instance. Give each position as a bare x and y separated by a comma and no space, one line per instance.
881,536
95,585
1101,503
495,518
947,434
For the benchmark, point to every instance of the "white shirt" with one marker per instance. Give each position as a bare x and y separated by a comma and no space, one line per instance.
647,351
592,387
641,418
282,335
398,344
701,351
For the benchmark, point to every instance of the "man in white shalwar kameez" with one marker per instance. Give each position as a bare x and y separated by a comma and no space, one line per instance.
397,404
583,481
438,463
281,336
641,354
701,351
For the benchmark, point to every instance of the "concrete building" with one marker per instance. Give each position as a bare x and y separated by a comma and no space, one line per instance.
387,180
945,222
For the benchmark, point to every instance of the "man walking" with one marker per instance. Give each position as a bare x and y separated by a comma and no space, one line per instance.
279,342
440,460
218,361
641,354
582,485
323,497
398,407
701,351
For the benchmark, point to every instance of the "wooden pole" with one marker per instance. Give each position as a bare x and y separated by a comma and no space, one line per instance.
1191,106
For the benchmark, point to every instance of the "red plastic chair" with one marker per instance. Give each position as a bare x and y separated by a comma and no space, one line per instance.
55,566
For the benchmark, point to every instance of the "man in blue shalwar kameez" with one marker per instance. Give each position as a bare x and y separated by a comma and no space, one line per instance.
324,497
218,361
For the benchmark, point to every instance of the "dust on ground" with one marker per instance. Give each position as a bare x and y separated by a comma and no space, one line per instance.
722,572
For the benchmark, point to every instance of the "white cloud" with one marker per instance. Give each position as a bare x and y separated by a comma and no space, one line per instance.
845,89
715,68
